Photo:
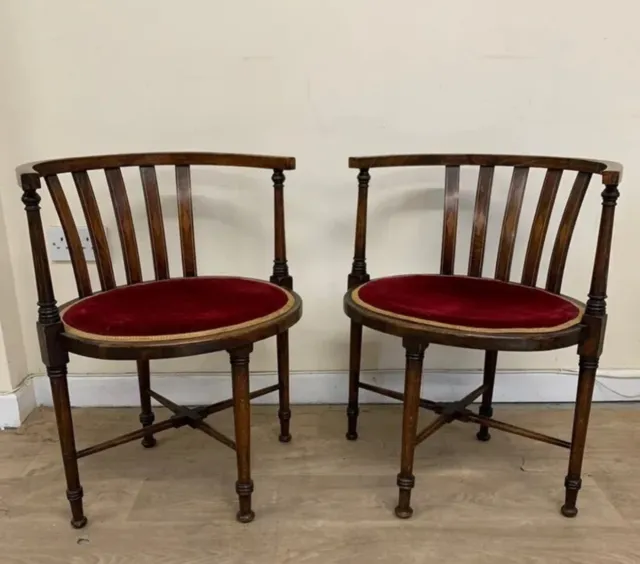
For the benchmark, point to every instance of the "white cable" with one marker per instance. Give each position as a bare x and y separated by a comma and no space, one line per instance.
619,394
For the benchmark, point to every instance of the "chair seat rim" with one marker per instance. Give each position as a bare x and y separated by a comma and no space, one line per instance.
450,336
175,348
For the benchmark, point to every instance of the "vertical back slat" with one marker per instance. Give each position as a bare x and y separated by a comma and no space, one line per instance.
450,222
540,226
185,220
78,261
510,222
156,222
565,231
126,230
480,218
96,229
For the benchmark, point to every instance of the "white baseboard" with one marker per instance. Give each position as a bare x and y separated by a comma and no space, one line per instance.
121,390
17,405
554,386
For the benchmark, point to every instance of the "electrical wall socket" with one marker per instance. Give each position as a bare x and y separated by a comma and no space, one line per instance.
58,249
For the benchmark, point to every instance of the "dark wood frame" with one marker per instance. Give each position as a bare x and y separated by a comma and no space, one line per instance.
588,335
56,345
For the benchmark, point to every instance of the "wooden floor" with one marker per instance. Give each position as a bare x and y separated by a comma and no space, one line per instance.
321,499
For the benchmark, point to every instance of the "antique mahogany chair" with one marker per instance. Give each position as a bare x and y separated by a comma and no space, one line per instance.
166,317
477,312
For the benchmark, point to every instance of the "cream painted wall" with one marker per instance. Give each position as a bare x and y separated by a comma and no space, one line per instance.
322,81
13,364
5,378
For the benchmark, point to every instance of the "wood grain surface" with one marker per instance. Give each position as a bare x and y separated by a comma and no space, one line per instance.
322,499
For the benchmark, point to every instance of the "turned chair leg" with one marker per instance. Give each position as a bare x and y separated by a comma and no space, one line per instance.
284,410
354,381
242,421
60,393
412,383
489,379
573,480
146,414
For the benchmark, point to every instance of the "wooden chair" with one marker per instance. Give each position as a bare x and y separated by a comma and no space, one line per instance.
476,312
163,318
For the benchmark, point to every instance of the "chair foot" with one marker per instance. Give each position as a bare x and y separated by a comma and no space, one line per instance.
245,517
412,382
403,513
352,421
149,442
284,410
353,410
244,490
79,523
284,415
573,481
485,410
146,416
242,420
405,484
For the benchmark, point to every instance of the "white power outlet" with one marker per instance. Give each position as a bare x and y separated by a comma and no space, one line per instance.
58,249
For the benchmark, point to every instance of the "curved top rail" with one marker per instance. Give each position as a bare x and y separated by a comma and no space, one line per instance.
79,164
611,171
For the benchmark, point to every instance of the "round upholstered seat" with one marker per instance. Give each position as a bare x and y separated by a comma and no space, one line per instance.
175,309
469,304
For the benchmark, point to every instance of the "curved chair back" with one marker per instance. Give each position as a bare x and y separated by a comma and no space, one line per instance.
610,174
29,177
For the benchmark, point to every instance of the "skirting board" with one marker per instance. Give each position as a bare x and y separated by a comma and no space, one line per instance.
559,386
17,405
121,390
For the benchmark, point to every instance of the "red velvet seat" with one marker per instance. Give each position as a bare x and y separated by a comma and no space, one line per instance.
175,309
467,303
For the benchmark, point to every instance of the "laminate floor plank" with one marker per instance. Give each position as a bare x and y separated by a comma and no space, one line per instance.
322,499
